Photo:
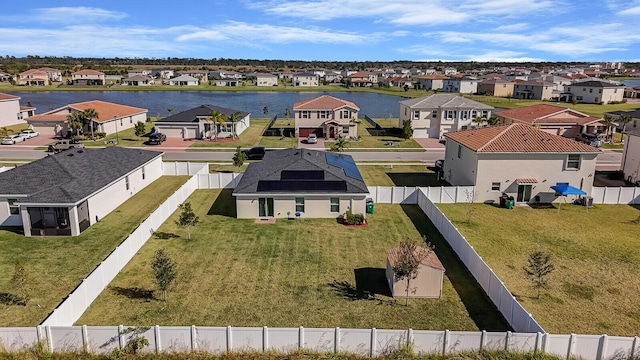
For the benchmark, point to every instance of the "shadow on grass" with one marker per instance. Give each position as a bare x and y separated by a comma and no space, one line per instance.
165,235
10,299
224,205
480,308
13,229
372,281
134,293
415,179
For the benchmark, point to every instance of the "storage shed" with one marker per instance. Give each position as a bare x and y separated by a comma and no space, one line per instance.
428,284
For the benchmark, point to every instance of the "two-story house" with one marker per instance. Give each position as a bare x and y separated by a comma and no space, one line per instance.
595,92
88,77
305,79
517,160
10,110
363,79
533,90
326,116
496,87
33,77
433,115
54,75
462,85
431,81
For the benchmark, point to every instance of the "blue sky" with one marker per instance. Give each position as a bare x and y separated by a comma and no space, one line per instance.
331,30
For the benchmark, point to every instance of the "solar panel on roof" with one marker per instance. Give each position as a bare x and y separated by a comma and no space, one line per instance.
346,163
302,175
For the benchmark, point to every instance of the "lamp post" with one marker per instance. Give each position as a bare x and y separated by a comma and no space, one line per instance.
115,120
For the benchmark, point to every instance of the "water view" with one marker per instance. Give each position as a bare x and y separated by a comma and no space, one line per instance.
157,102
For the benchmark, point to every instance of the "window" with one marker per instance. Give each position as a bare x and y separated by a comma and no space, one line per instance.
416,114
130,120
434,114
13,209
144,174
304,114
573,162
590,90
345,130
126,182
345,114
335,205
464,114
579,98
459,151
485,113
495,186
299,204
599,91
322,114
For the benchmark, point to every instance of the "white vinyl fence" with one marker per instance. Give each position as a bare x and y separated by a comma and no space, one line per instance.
76,303
184,168
616,195
366,342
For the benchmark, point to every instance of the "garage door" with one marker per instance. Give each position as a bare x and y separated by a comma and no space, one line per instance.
171,132
304,132
46,130
190,133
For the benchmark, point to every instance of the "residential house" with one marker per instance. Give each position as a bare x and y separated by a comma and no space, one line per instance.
64,194
54,75
228,82
533,90
33,77
517,160
397,81
631,157
634,116
184,80
433,115
326,116
4,77
162,73
496,87
450,71
302,183
139,72
363,79
197,123
432,81
88,77
596,91
632,92
332,77
266,80
305,79
553,119
429,275
111,118
138,80
462,85
201,75
10,112
225,74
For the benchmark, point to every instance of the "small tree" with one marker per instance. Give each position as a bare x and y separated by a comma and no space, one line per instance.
164,271
187,218
239,157
408,260
5,131
537,269
624,119
140,129
407,130
340,145
265,110
170,111
20,281
574,102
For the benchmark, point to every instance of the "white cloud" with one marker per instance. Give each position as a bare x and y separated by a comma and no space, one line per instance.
511,8
630,11
512,27
502,56
80,14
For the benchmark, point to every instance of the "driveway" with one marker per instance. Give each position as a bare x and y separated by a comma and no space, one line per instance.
38,141
173,144
303,144
429,143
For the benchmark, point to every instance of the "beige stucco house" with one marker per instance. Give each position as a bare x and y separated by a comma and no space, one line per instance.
184,80
595,91
266,80
301,183
433,115
326,116
462,85
496,87
196,123
88,77
518,160
111,118
33,77
432,81
533,90
428,283
631,157
305,79
553,119
10,111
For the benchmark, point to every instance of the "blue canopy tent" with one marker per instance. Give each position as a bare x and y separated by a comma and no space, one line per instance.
565,190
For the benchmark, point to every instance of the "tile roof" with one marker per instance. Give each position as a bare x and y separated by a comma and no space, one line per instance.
106,110
4,96
47,117
193,115
430,260
88,72
517,138
444,101
70,176
324,102
547,114
270,168
433,77
34,72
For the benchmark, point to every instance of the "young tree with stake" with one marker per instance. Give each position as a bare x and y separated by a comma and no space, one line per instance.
537,270
20,281
187,218
164,271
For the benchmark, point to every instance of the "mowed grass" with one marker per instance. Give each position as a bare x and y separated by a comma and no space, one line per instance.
57,264
308,272
399,175
594,288
367,140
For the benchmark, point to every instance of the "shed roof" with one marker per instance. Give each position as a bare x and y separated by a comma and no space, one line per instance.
430,260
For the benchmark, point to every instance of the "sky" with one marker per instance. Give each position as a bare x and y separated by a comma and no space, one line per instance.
326,30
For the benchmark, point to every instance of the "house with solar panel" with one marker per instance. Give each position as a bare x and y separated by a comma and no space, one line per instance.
300,183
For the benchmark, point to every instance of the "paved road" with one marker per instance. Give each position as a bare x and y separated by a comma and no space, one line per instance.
608,160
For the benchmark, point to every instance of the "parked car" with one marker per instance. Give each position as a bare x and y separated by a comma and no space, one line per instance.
66,144
12,139
157,138
589,139
28,133
255,153
312,138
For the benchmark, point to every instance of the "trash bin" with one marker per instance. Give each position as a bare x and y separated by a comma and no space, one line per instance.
588,201
369,206
509,202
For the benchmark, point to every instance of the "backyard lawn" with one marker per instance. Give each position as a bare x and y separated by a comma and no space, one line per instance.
370,140
399,175
57,264
594,288
125,137
308,272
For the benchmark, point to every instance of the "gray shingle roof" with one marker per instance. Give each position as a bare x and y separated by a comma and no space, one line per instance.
296,160
444,101
72,175
192,115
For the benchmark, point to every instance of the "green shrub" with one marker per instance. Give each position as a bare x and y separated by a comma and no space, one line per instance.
354,219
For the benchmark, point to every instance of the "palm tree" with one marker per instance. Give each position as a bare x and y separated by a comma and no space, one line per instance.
340,145
5,131
234,119
217,118
90,114
624,119
75,121
609,124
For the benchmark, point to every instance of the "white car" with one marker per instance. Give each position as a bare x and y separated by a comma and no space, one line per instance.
28,133
12,139
312,139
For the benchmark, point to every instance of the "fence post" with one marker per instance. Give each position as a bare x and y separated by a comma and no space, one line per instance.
156,333
538,345
634,347
49,338
602,348
409,337
507,337
445,343
336,340
545,342
300,337
372,348
229,339
121,336
483,339
572,342
265,338
194,339
85,338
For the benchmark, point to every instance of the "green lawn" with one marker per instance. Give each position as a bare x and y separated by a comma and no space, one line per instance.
594,289
125,138
250,137
310,272
399,175
367,140
58,264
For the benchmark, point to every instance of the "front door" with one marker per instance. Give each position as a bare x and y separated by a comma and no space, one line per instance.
265,207
332,132
524,193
